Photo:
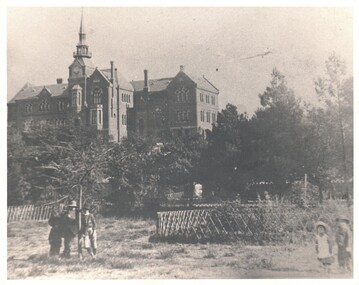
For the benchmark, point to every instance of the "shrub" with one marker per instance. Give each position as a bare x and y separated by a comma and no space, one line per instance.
277,223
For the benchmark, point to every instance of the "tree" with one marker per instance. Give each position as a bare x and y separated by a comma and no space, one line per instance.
55,160
276,135
336,117
144,170
220,162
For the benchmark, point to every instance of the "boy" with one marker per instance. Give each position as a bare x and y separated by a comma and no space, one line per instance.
343,239
88,230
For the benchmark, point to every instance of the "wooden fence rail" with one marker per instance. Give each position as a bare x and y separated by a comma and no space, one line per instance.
29,212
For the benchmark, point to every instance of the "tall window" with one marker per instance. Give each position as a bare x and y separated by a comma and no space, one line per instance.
97,94
207,99
202,116
94,117
201,97
213,100
28,108
99,117
208,117
213,117
74,99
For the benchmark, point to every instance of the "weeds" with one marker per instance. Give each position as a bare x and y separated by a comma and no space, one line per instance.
166,254
118,264
228,254
210,254
147,246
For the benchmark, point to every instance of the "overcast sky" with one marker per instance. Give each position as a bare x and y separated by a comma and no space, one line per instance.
209,41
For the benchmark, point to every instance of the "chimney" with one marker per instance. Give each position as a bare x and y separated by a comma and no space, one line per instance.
59,80
181,67
146,86
112,70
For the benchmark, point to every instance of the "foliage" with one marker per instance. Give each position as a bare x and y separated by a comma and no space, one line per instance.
220,163
332,124
304,198
54,162
144,170
278,223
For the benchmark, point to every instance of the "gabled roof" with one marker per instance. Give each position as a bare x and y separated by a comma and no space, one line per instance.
154,84
202,82
29,91
119,79
162,83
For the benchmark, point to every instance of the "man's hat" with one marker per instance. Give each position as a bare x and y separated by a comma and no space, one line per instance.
72,204
342,218
321,224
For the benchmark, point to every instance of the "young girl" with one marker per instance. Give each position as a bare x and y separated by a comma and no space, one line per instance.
323,246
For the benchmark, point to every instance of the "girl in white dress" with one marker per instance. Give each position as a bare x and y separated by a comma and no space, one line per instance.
323,246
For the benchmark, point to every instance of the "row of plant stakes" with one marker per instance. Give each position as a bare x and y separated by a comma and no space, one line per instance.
257,224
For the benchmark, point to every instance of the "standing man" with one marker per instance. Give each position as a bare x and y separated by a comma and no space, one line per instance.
56,232
70,224
88,230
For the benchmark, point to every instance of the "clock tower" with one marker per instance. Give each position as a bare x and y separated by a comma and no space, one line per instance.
79,71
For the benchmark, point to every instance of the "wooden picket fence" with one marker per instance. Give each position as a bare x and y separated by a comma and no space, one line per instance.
29,212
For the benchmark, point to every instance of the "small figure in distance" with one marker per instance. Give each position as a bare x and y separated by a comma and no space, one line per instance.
323,246
88,225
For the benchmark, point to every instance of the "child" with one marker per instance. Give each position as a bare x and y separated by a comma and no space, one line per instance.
88,225
323,246
343,239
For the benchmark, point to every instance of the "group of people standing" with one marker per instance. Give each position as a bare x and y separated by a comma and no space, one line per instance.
65,226
324,244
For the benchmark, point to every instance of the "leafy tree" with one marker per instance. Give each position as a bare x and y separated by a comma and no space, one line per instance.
276,133
144,170
333,121
220,162
56,160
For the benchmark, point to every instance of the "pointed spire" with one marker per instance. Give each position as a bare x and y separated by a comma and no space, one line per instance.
82,28
82,47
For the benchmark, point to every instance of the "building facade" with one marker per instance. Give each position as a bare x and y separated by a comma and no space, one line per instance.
104,99
182,104
93,97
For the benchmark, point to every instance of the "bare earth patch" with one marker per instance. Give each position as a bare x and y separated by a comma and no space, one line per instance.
124,252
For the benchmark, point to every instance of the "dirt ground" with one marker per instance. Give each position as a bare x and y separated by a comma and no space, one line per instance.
124,252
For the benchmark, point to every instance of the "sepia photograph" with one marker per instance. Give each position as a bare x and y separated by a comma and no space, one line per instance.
179,143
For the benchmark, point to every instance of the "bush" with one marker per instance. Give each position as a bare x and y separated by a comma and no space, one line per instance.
277,223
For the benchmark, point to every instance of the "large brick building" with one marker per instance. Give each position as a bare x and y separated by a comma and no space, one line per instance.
92,96
183,104
104,99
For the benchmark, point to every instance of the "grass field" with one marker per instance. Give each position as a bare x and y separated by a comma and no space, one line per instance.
124,252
